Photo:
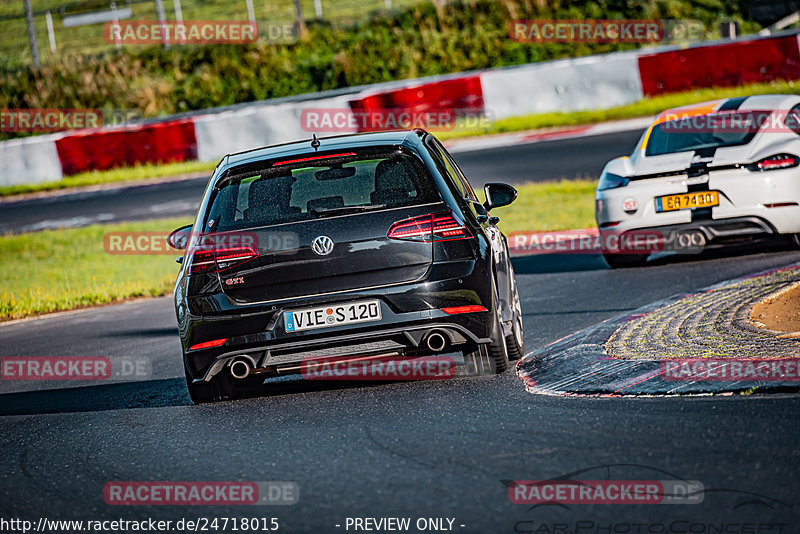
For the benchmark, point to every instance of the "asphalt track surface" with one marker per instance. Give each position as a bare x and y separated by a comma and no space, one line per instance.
432,449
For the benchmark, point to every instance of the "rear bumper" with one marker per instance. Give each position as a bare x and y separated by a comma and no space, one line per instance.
287,358
696,236
718,232
409,312
772,197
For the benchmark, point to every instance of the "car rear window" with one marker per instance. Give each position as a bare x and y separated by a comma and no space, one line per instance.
704,132
305,187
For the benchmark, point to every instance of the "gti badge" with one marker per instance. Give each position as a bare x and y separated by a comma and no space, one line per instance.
322,245
234,281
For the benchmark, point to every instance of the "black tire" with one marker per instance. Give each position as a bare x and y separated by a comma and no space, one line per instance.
623,261
796,240
514,351
219,388
515,341
491,358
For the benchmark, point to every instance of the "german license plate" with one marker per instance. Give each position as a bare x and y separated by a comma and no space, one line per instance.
687,201
335,315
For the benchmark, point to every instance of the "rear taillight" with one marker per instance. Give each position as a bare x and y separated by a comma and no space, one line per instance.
212,259
455,310
209,344
436,227
778,161
446,227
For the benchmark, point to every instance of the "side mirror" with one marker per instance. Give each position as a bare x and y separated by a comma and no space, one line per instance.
178,239
498,195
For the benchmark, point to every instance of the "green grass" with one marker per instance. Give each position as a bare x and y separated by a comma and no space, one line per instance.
547,206
123,174
64,269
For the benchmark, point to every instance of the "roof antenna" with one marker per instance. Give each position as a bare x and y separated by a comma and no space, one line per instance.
315,143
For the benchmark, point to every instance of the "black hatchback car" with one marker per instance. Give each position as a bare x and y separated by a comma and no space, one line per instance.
357,246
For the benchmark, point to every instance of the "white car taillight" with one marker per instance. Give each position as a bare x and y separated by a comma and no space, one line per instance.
778,161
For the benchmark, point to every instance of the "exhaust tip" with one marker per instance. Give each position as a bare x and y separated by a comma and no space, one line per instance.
436,342
240,369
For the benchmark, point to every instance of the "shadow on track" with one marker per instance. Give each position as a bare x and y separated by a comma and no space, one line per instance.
171,332
564,263
163,393
119,396
577,312
773,245
558,263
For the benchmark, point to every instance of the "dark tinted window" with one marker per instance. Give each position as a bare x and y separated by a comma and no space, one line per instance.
703,132
470,194
282,192
792,120
447,166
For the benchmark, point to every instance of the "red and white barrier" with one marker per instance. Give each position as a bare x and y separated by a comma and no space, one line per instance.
255,126
590,82
161,142
461,93
29,160
725,64
593,82
471,144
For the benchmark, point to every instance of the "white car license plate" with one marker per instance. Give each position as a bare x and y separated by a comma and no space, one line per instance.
334,315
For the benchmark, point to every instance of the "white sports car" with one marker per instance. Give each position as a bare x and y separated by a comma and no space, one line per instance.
702,176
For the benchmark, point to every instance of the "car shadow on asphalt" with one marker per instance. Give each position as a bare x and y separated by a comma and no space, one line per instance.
170,332
164,393
558,263
739,250
561,263
117,396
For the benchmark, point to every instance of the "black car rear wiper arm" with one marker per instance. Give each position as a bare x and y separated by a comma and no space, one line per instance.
344,210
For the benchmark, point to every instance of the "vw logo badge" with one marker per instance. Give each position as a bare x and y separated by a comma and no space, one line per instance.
322,245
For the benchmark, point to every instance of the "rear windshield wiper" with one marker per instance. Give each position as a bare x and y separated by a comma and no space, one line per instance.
344,210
